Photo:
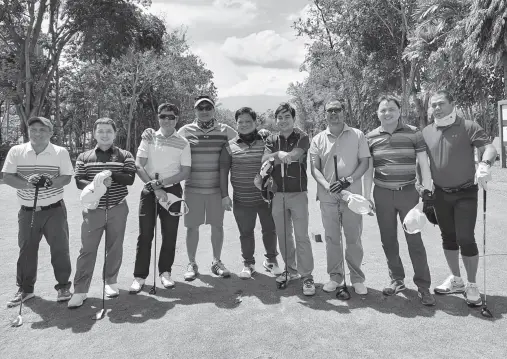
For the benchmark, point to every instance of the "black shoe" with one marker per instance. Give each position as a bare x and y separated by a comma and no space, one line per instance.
426,297
395,287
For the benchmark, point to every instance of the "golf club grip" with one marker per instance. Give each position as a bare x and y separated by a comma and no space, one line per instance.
36,196
282,167
484,200
335,159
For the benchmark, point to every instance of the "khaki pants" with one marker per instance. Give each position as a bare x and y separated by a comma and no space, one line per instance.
296,214
94,224
334,217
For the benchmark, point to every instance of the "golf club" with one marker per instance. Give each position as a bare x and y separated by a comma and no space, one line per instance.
283,285
19,319
343,292
153,289
101,313
484,311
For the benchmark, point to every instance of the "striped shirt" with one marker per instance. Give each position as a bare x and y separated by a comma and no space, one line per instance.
116,160
244,161
165,155
206,146
394,155
54,161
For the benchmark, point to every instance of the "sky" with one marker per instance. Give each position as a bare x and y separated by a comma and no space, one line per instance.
248,44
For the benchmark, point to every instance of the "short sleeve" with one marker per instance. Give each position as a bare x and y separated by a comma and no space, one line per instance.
79,171
478,137
225,157
363,148
270,145
304,142
10,165
143,149
186,156
182,132
231,133
65,163
315,152
420,145
129,163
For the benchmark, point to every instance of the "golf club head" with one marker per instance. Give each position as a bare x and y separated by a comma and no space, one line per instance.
485,312
17,322
343,293
99,315
153,290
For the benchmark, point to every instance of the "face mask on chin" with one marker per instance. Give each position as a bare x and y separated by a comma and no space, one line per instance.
447,120
206,125
248,137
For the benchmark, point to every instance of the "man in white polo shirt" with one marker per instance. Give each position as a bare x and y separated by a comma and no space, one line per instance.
167,154
49,166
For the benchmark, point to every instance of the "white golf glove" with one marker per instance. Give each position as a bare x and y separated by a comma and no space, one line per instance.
483,175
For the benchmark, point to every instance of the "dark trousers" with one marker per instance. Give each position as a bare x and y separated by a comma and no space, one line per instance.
169,230
52,223
456,214
246,217
391,204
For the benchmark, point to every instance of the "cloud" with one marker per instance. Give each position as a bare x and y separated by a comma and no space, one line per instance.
266,48
221,13
302,14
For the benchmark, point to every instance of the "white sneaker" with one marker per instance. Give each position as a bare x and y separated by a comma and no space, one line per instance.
112,290
247,271
472,294
165,279
451,285
137,285
330,286
272,267
360,288
290,276
76,300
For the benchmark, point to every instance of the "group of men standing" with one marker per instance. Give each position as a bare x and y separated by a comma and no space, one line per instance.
204,154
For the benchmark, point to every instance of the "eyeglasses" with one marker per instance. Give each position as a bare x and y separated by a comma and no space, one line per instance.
168,117
334,110
204,108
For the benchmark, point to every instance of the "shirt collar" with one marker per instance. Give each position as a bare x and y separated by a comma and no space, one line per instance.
109,150
238,139
49,148
345,128
399,126
159,133
215,124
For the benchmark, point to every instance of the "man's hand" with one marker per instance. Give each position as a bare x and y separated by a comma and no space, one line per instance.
108,181
338,186
227,203
153,185
38,180
483,175
372,205
284,157
160,195
148,134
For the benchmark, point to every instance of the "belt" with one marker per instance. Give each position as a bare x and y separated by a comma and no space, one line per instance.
42,208
463,187
399,188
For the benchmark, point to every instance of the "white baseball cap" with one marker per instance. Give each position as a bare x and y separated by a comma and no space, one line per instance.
171,199
203,99
414,221
358,204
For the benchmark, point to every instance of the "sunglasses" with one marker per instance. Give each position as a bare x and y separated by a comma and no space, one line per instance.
167,117
205,108
334,110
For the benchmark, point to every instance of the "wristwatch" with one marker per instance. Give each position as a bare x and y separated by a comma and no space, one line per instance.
486,162
349,179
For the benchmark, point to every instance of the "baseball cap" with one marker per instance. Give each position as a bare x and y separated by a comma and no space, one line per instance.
414,221
202,99
358,204
172,199
42,120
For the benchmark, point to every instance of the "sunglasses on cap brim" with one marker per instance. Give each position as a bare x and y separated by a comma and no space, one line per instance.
204,108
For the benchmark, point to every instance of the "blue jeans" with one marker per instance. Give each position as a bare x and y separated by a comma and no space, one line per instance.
246,217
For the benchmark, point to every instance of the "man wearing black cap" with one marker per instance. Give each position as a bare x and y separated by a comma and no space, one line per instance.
42,164
202,193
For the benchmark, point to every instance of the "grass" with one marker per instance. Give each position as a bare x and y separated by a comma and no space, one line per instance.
233,318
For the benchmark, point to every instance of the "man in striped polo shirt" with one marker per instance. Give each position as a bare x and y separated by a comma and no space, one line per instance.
242,157
396,148
104,157
167,154
202,189
28,164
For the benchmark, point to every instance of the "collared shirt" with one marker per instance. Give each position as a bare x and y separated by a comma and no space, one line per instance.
206,146
244,160
394,155
349,147
114,159
54,161
295,173
451,151
165,155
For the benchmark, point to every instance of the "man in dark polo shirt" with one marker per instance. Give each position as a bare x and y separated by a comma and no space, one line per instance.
104,157
289,149
395,149
242,157
451,140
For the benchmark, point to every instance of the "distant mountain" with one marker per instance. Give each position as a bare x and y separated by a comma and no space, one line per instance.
260,103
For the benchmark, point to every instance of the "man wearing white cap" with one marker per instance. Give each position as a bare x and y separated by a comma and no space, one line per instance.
396,148
203,196
47,166
351,148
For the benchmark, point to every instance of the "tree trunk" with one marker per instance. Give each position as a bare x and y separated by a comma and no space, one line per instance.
504,64
58,122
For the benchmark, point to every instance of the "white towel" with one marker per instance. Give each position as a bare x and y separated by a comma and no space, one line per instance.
91,195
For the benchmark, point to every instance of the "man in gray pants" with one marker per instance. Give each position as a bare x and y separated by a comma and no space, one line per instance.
395,149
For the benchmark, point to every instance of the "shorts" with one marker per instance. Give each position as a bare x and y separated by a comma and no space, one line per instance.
204,209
